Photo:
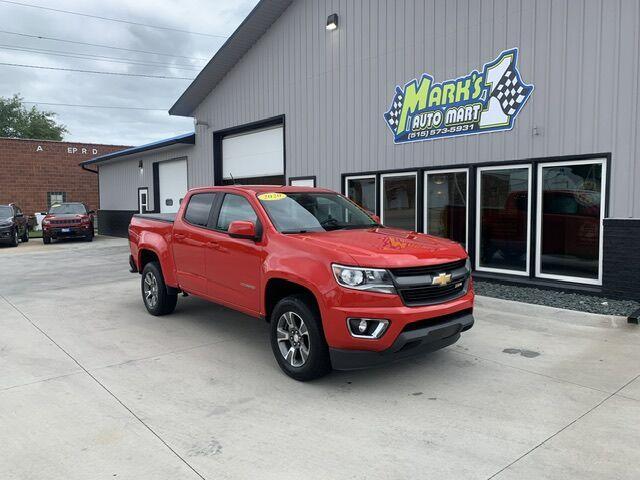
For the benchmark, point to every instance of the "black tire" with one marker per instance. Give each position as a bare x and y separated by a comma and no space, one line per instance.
89,238
25,237
14,239
46,240
317,363
160,302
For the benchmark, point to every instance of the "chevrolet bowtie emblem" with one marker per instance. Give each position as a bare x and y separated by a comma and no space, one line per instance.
442,279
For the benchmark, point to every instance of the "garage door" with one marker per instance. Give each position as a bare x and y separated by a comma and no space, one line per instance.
254,157
172,176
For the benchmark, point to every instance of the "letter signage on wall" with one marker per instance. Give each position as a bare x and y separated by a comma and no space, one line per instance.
479,102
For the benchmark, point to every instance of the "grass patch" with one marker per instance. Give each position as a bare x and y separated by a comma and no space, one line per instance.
35,233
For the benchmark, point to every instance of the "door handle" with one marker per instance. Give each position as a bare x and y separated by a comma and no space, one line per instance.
179,236
213,245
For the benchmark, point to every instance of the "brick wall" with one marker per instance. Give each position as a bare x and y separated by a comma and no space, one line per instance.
31,168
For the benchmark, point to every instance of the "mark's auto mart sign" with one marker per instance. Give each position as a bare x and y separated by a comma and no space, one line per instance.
479,102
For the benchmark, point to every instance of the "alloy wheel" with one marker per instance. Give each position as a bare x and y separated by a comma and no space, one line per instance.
150,289
293,339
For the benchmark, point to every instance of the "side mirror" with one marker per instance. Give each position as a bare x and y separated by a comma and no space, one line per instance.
92,212
19,215
242,229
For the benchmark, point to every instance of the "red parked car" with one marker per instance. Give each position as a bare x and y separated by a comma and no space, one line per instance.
339,289
68,220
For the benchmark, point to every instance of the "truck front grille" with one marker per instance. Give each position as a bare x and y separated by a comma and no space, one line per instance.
429,294
416,288
70,221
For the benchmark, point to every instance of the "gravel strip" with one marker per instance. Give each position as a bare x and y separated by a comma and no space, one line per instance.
559,299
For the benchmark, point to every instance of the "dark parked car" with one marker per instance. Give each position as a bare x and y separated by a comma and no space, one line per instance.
68,220
13,225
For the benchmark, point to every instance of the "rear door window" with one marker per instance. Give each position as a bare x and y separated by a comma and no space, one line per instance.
199,209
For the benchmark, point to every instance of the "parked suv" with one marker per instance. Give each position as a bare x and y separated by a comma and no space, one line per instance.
340,290
13,225
68,220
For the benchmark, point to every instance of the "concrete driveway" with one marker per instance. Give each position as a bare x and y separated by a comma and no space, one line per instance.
92,387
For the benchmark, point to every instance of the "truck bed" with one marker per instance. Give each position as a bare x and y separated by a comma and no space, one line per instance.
161,217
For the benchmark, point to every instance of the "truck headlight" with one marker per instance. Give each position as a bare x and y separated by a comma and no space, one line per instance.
369,279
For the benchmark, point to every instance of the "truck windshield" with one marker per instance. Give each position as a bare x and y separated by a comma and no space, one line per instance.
68,208
6,212
313,212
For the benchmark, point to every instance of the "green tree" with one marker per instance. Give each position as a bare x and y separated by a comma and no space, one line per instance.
17,121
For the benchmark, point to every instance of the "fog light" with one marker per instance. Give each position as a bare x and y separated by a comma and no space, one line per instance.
362,326
367,327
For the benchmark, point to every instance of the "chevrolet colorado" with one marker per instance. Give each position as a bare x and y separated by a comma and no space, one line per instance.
339,290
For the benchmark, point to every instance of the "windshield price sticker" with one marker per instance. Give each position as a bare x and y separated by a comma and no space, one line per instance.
271,196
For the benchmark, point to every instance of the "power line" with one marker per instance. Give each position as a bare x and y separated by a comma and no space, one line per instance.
115,107
101,58
110,19
94,71
42,37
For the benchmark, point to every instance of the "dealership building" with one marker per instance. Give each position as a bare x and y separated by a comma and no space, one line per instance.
510,127
35,174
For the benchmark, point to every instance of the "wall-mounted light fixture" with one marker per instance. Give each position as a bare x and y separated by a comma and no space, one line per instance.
332,21
140,166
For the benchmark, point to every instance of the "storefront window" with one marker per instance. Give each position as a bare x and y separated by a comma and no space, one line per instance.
570,209
362,190
399,200
503,219
446,205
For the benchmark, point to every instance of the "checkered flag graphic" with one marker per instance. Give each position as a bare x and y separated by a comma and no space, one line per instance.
393,115
510,91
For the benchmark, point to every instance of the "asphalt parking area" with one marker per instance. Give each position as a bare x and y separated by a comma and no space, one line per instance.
91,386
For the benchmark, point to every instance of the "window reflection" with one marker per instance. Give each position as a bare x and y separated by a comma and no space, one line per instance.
363,192
570,225
399,201
504,225
446,203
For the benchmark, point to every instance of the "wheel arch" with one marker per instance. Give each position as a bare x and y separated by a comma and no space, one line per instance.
278,288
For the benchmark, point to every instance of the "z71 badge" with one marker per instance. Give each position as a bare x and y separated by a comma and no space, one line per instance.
479,102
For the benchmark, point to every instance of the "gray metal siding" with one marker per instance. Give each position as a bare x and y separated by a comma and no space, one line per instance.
333,87
121,178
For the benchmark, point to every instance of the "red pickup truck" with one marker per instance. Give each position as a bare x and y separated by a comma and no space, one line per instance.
339,290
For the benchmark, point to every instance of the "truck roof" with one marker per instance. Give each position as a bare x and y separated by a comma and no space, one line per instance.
264,189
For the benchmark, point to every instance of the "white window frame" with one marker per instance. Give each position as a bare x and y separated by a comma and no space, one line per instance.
479,268
361,177
603,198
426,196
381,200
140,204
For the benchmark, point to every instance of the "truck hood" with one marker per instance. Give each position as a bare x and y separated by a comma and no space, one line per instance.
386,247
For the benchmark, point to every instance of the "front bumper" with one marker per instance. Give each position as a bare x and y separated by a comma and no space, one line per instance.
6,234
67,232
420,338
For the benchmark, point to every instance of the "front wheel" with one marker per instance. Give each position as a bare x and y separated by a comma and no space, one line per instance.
25,236
297,339
46,239
14,238
154,291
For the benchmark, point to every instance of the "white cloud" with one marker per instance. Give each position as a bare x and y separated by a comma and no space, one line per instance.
107,125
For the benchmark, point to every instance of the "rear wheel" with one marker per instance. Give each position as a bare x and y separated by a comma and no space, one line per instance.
297,339
154,291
